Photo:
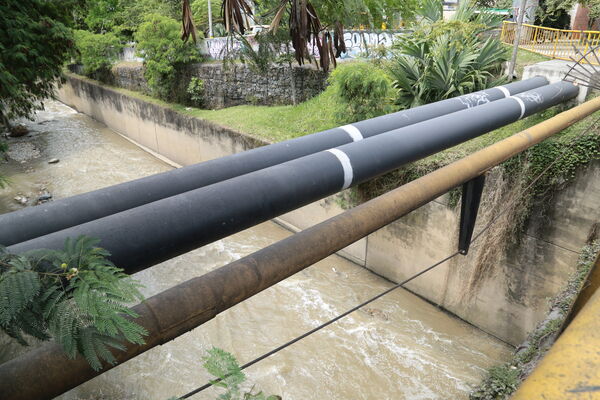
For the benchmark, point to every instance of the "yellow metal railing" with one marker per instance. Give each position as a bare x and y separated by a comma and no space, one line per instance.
561,44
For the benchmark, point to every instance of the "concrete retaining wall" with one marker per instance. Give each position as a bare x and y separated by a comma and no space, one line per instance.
508,302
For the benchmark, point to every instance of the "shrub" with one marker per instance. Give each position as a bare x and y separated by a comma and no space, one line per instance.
364,91
427,70
443,59
165,54
195,90
98,52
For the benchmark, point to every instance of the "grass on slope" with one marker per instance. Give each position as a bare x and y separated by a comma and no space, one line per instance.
524,58
275,123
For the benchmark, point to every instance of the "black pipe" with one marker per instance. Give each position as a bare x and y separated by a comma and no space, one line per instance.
146,235
32,222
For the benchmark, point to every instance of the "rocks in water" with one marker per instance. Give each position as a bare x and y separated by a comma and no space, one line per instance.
377,313
53,161
18,131
44,198
21,199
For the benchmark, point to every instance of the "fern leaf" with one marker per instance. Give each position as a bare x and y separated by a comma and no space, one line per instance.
17,290
87,348
33,325
14,331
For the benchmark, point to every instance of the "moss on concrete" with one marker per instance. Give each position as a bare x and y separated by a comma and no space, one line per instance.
502,380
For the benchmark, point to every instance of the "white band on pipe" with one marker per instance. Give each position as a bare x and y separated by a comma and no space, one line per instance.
520,104
346,165
504,90
353,132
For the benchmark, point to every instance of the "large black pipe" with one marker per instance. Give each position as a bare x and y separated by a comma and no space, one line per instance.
146,235
36,221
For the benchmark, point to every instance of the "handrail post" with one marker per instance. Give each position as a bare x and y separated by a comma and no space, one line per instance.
513,60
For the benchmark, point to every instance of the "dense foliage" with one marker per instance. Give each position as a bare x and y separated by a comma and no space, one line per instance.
165,54
443,59
35,42
98,51
351,13
364,91
556,13
123,16
195,91
75,296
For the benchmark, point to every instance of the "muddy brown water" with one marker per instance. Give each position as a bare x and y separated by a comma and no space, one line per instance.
399,347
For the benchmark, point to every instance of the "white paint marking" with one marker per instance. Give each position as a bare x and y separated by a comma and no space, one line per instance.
353,132
504,90
521,104
346,165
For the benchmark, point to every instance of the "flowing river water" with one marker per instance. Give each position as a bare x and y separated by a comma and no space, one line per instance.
400,347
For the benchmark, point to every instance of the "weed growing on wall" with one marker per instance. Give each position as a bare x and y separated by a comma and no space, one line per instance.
503,380
558,158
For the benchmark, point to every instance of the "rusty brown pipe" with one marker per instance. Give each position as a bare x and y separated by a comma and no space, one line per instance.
46,372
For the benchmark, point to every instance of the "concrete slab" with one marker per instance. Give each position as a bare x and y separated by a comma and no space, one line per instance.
554,71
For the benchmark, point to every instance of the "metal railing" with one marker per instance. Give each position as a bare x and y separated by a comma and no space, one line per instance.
561,44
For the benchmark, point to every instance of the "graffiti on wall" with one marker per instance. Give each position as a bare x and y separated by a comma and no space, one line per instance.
358,42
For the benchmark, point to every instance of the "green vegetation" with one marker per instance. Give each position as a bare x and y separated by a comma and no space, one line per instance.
98,52
229,376
351,13
269,51
225,367
444,59
165,54
524,58
364,91
200,13
426,70
75,296
35,42
556,13
276,123
124,17
195,91
503,380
